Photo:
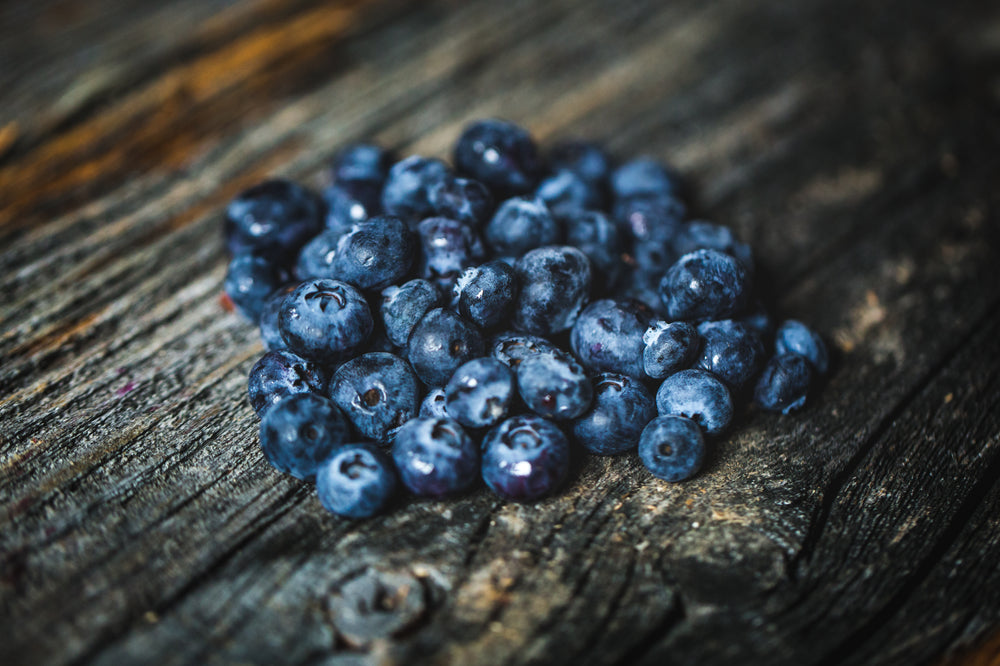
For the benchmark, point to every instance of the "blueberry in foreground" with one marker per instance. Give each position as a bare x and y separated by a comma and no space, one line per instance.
325,320
276,217
300,432
435,457
555,285
280,374
402,307
670,347
378,392
607,336
554,385
796,338
784,384
705,284
250,279
486,293
440,343
698,395
406,192
499,154
479,394
524,458
731,350
375,254
511,348
521,224
357,481
621,409
672,448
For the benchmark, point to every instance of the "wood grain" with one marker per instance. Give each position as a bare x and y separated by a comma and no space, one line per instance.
853,144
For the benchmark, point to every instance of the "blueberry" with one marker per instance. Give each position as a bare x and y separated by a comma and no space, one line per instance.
479,394
279,374
500,154
463,199
797,338
555,285
651,218
301,431
566,193
705,284
583,158
357,481
607,336
486,293
784,384
406,192
511,348
325,320
730,350
375,253
760,321
643,176
669,348
403,306
435,404
524,458
435,457
316,257
276,217
250,279
621,409
364,162
351,202
700,235
378,392
440,343
698,395
594,234
270,334
554,385
521,224
672,448
448,248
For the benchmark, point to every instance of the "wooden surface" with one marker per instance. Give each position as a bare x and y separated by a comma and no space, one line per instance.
854,144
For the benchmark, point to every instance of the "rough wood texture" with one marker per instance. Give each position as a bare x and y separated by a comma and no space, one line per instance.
854,144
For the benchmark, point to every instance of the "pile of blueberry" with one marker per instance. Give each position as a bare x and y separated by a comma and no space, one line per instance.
432,325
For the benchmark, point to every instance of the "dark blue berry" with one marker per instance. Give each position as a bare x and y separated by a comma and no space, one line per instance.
357,481
672,448
705,284
325,320
361,162
555,285
566,193
378,392
301,431
700,235
524,458
403,306
499,154
607,336
797,338
250,279
351,202
760,320
448,247
698,395
730,350
784,384
435,457
669,348
651,218
641,177
375,253
270,333
554,385
279,374
275,217
486,293
479,394
521,224
406,192
463,199
583,158
594,234
435,404
511,348
621,409
440,343
317,256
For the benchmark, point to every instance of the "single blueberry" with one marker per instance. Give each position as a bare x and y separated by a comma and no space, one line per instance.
479,394
486,293
669,348
500,154
250,279
651,218
270,333
554,385
316,258
402,307
621,409
435,457
555,285
511,348
463,199
435,405
698,395
276,217
357,481
797,338
441,342
521,224
566,193
301,431
524,458
672,448
700,235
597,236
351,202
378,392
375,253
448,247
730,350
607,336
361,162
643,176
325,320
406,192
586,159
784,384
705,284
279,374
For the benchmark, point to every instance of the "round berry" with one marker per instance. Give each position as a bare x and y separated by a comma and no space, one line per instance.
301,431
435,457
698,395
357,481
672,448
524,458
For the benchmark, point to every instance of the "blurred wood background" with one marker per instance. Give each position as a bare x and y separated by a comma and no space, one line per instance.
854,144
